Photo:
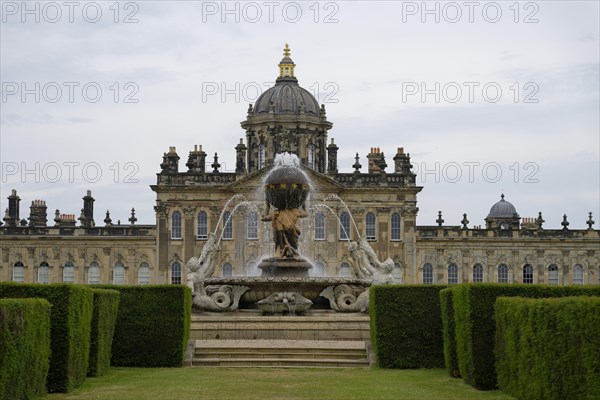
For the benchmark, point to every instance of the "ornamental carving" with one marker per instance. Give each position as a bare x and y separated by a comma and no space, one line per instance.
161,210
540,253
189,211
56,252
409,211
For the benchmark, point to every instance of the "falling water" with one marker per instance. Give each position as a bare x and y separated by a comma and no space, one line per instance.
325,206
232,198
244,203
338,198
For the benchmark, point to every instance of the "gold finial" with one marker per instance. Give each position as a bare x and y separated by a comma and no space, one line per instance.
286,65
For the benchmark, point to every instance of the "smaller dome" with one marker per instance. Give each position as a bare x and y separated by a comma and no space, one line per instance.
502,209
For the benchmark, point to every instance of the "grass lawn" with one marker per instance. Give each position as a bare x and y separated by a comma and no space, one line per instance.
273,383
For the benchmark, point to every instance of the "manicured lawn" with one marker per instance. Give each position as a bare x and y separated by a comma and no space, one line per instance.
273,383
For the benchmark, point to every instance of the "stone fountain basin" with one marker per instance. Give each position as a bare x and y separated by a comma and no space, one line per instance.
262,287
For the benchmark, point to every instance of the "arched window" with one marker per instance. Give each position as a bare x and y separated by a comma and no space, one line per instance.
319,226
310,155
345,270
578,275
175,273
344,226
452,274
395,227
18,272
552,275
43,273
94,273
261,156
176,225
252,225
227,225
202,231
318,269
227,270
370,224
119,274
527,273
502,273
428,274
68,273
144,274
397,273
477,273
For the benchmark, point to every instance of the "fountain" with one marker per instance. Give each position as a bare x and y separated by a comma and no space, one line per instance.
284,285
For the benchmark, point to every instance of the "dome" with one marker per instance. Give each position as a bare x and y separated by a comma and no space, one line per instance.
287,97
502,209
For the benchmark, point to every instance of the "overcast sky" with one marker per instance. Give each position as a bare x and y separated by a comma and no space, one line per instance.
487,97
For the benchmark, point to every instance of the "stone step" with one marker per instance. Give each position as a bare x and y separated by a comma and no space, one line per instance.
253,316
280,363
200,355
280,353
253,326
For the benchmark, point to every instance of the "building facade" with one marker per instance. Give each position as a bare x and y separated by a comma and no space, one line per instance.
377,200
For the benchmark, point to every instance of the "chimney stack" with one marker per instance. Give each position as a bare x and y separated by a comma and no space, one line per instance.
12,215
38,213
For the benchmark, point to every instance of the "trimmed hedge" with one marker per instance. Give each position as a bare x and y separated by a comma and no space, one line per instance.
449,332
70,321
406,326
475,326
153,325
548,349
24,348
104,318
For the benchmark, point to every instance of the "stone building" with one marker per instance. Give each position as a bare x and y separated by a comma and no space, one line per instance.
377,200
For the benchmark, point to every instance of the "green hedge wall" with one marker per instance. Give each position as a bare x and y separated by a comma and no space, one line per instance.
448,332
70,321
548,349
475,326
104,318
406,326
153,325
24,348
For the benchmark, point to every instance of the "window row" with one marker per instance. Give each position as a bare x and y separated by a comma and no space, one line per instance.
252,223
93,273
503,274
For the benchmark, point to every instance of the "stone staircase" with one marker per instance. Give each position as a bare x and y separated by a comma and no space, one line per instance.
246,339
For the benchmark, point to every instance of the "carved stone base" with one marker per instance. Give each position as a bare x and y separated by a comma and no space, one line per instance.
291,303
296,267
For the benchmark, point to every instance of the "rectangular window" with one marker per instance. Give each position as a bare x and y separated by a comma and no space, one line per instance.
395,227
176,225
319,226
252,226
370,223
227,225
202,231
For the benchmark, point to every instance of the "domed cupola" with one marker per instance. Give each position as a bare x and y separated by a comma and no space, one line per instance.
287,97
503,215
287,118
